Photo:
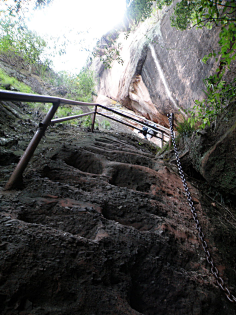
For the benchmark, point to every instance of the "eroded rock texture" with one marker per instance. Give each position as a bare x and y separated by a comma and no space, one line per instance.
162,62
212,152
103,227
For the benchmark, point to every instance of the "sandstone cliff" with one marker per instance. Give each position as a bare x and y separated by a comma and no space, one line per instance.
163,69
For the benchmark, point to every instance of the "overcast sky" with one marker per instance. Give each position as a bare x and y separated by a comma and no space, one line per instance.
67,18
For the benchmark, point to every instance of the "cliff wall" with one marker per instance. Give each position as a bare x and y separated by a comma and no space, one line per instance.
163,69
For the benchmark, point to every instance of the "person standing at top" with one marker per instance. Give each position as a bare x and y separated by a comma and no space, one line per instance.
144,131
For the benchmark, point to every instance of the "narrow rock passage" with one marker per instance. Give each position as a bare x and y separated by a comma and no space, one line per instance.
102,227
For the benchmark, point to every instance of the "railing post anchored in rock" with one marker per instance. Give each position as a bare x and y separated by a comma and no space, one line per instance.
94,117
171,117
16,177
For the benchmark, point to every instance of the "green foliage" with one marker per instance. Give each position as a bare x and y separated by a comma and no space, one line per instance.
85,85
105,124
227,43
108,50
161,3
17,40
86,121
219,96
139,10
205,13
21,6
79,87
182,14
185,128
64,111
7,82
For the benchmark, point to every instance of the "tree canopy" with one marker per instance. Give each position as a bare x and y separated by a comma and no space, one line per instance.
19,6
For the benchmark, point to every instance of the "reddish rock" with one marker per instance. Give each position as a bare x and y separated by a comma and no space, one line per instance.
112,237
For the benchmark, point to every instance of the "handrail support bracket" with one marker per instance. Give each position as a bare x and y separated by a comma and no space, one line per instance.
16,177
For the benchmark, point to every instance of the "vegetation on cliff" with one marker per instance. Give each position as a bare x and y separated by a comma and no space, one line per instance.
215,15
18,40
20,6
31,55
33,49
202,13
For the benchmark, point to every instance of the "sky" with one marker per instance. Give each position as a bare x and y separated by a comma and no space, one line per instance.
76,21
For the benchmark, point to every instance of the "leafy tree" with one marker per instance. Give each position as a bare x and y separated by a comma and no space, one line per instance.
140,10
108,50
21,6
203,13
78,86
85,84
17,40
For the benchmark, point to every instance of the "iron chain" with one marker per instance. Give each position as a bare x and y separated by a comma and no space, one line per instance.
201,235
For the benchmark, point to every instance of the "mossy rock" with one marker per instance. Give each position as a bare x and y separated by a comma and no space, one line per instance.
213,153
218,165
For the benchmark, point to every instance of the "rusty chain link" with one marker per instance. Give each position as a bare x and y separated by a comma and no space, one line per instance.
201,235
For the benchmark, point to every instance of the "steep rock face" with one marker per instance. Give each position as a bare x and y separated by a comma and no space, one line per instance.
169,63
23,75
140,101
212,152
219,162
102,227
17,68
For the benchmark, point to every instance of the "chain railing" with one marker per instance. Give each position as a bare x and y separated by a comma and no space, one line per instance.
201,235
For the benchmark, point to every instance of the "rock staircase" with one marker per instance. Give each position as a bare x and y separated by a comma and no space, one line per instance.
103,227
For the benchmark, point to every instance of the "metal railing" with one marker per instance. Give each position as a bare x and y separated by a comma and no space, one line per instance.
17,175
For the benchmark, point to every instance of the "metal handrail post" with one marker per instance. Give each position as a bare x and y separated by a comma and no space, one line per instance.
94,117
16,176
171,116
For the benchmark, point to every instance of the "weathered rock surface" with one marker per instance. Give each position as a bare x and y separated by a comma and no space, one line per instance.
168,61
103,227
212,153
16,67
219,162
